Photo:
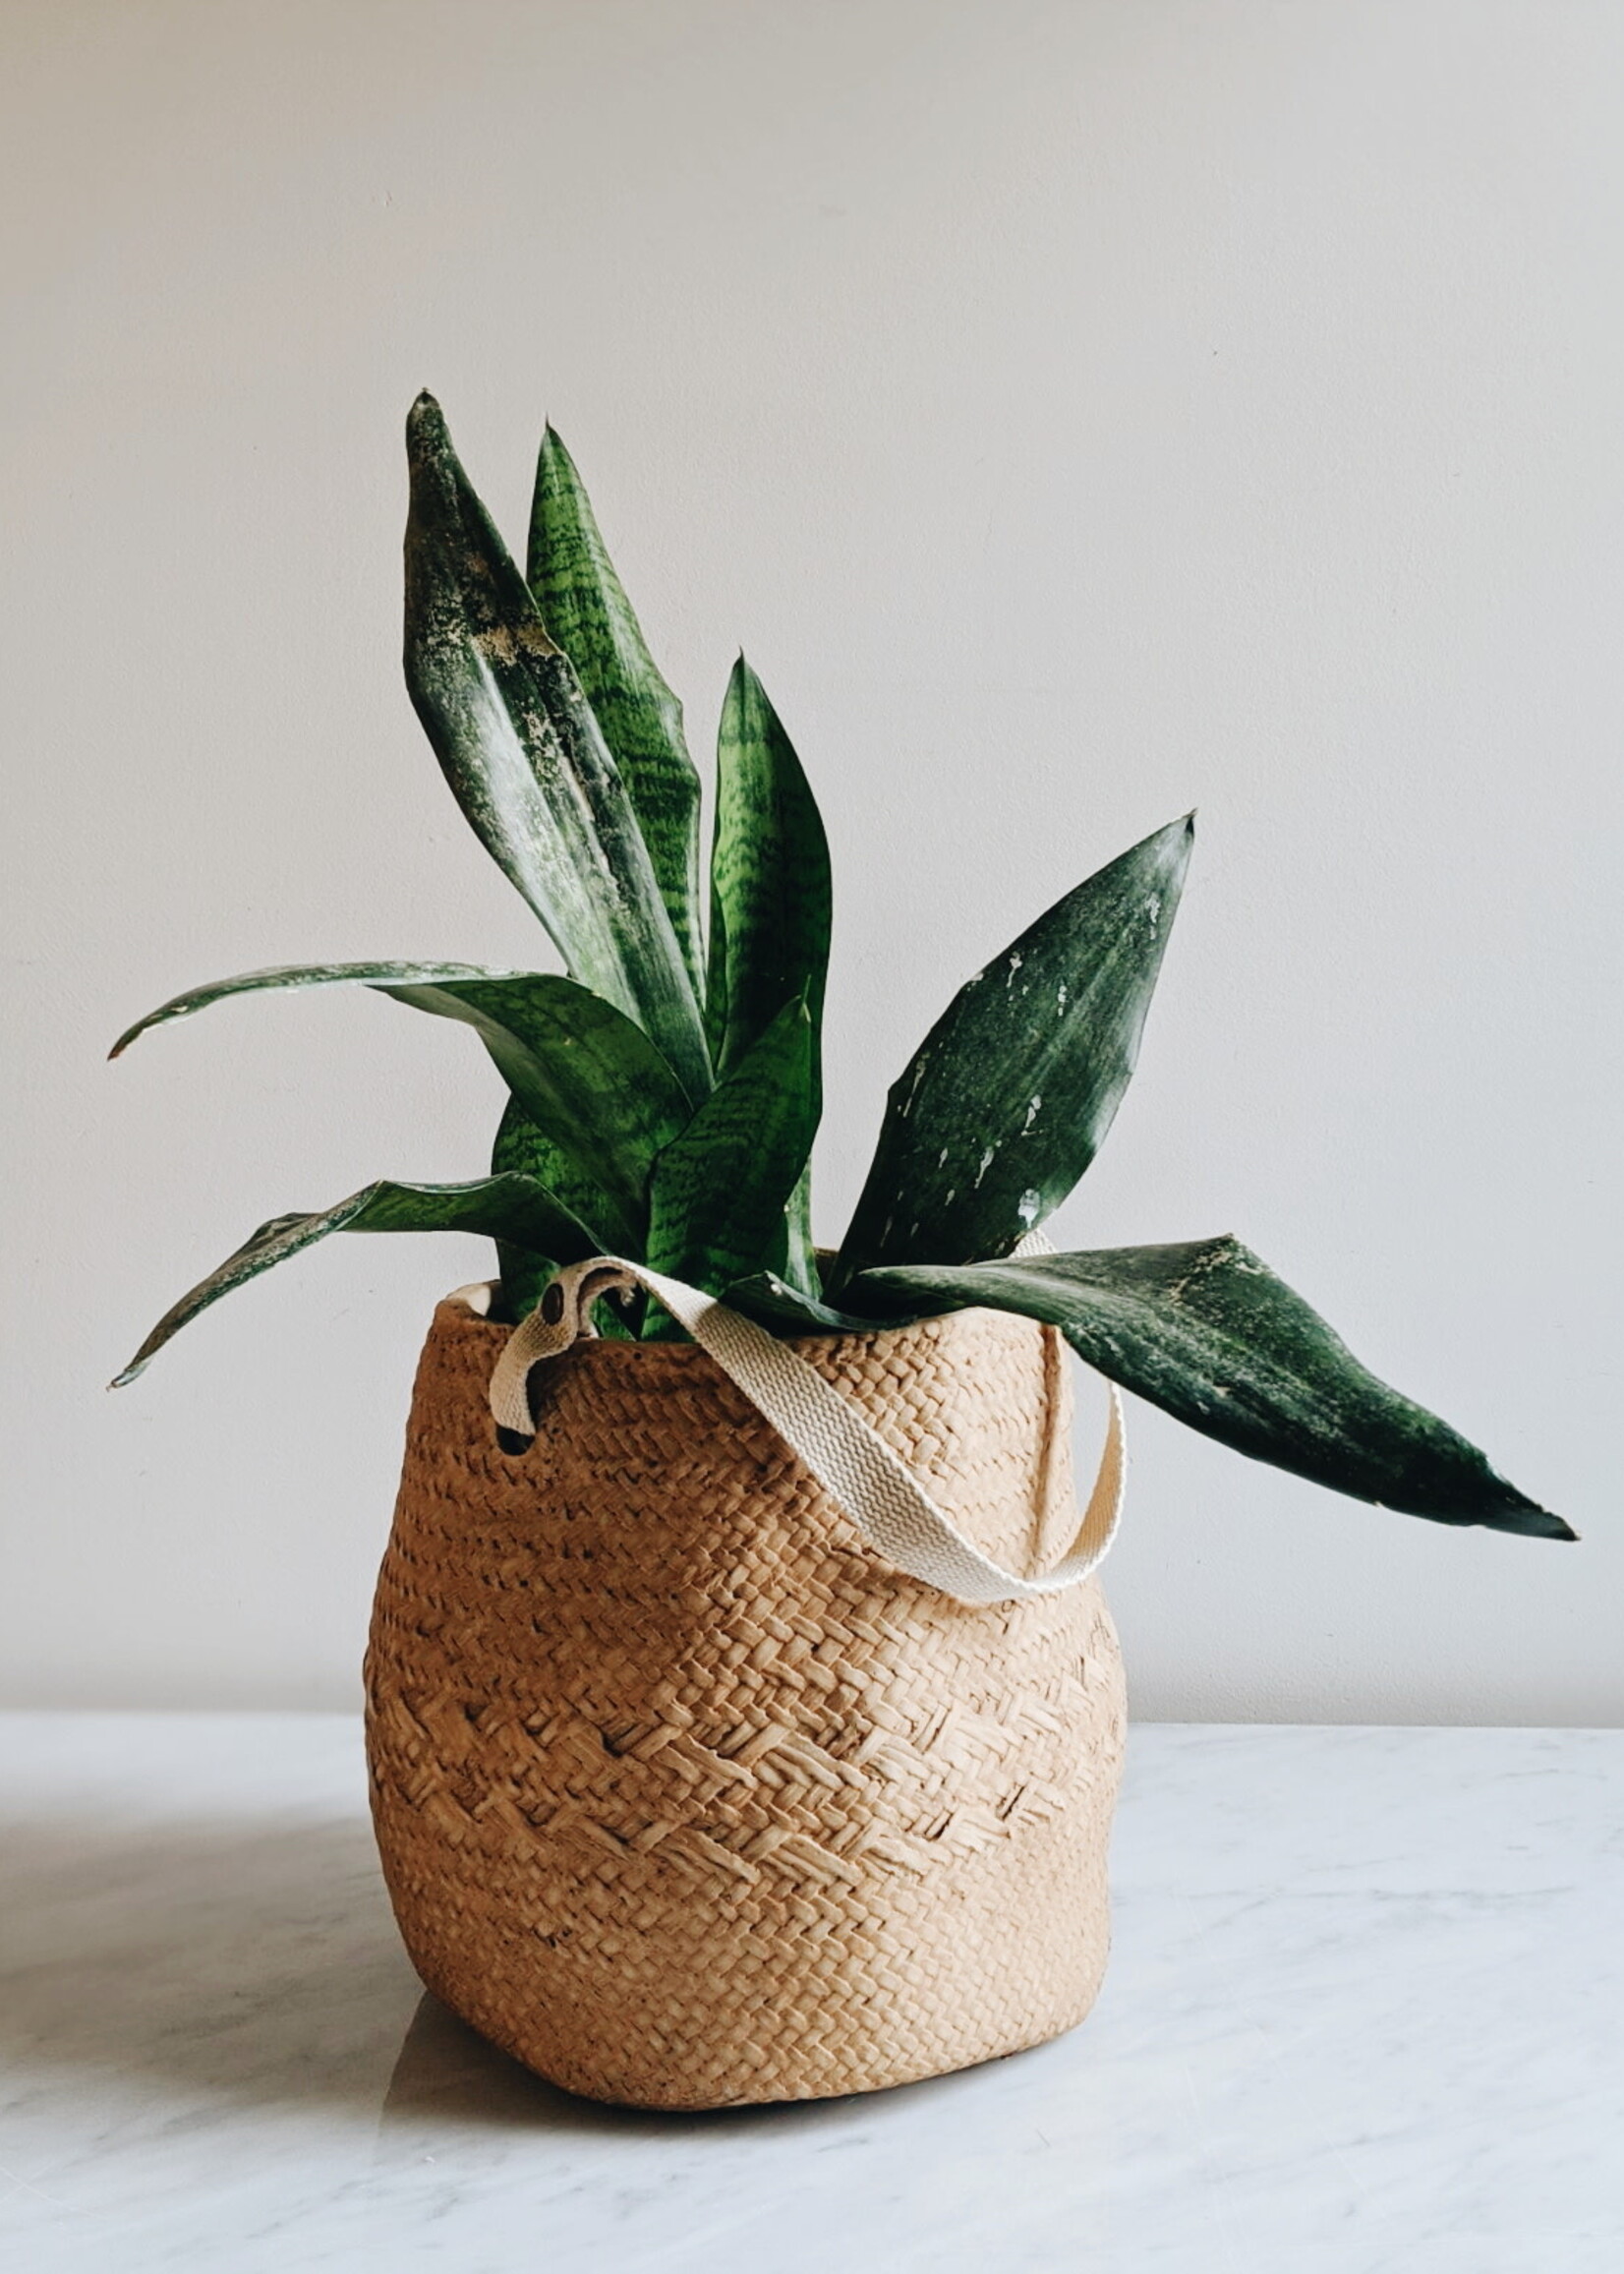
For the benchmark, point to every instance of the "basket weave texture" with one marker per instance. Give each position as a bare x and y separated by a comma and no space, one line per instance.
683,1796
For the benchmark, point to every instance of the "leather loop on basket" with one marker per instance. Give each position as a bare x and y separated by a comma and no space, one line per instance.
873,1487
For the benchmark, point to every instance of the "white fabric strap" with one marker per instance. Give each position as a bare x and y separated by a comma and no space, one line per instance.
871,1486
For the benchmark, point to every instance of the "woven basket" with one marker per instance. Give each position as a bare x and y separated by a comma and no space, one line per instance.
683,1796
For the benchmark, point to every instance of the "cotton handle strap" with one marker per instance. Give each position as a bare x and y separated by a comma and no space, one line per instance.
871,1486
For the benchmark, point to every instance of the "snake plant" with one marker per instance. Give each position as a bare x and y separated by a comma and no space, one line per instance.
662,1096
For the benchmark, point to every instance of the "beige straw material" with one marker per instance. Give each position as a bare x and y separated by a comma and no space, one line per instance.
873,1487
687,1798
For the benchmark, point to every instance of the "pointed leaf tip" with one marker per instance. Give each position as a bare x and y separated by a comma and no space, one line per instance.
771,891
281,976
498,687
426,432
585,609
1008,1097
1204,1329
512,1207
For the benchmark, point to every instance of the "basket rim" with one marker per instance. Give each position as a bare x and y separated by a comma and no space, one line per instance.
461,1309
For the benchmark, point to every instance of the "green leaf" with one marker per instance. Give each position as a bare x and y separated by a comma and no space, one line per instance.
512,1207
523,1273
585,609
771,1302
1207,1332
591,1082
771,906
582,1071
1010,1096
719,1194
769,884
519,745
800,1263
278,976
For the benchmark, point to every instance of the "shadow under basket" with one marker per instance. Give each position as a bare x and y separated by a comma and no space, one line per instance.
683,1796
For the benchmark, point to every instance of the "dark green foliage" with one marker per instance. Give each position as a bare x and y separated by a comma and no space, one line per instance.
720,1193
771,896
509,1207
523,1272
771,906
768,1297
586,610
519,1147
588,1078
527,760
1207,1332
1010,1096
669,1118
579,1068
278,978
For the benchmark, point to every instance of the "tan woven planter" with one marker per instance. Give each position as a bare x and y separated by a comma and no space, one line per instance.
683,1796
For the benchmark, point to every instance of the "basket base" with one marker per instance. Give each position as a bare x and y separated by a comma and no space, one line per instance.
615,2080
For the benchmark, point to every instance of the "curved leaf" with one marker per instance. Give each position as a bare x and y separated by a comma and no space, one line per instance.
585,609
1207,1332
509,1207
719,1194
1010,1096
517,741
286,975
591,1082
771,1302
581,1070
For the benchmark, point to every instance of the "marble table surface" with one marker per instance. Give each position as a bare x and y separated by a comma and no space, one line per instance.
1366,2015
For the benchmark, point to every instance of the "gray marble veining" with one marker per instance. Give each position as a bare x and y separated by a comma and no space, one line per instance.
1366,2015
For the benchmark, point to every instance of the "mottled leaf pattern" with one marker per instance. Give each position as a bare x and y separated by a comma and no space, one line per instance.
585,609
771,906
512,1207
523,753
1207,1331
771,896
719,1194
1010,1096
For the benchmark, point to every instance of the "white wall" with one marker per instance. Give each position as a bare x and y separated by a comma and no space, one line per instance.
1082,410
